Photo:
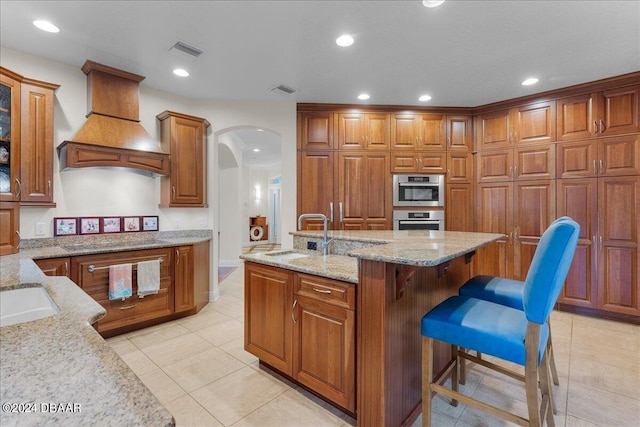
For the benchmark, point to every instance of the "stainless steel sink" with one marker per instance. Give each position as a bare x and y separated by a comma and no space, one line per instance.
24,305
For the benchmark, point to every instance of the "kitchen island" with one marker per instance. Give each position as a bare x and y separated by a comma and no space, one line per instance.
397,277
58,370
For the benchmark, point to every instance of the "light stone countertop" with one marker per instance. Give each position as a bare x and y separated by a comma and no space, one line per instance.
61,359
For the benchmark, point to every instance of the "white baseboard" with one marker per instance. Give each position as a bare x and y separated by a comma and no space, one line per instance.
214,295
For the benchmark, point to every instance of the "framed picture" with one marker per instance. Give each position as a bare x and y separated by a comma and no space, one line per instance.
149,223
131,223
111,224
65,226
90,225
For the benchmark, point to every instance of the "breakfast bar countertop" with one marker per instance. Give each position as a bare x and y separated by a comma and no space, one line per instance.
59,370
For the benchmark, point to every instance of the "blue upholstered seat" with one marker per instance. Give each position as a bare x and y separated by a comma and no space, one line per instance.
500,290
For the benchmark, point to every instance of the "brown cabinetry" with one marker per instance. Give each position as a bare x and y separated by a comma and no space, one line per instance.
184,137
9,227
315,130
183,279
517,164
10,136
615,156
413,131
460,214
303,326
315,186
459,133
609,112
358,131
55,266
427,162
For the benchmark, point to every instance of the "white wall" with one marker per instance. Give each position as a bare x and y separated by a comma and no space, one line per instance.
98,192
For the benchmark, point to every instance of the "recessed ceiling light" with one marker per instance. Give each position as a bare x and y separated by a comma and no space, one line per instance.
256,150
529,81
424,98
46,26
432,3
181,72
344,40
364,96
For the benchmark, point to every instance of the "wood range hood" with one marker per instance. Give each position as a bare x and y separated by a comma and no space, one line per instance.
112,135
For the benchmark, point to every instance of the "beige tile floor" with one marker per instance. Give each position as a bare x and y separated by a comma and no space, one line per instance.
198,369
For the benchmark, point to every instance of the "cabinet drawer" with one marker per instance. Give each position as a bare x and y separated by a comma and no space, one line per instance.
135,309
333,292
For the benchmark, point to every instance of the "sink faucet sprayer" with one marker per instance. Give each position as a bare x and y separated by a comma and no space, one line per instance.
325,242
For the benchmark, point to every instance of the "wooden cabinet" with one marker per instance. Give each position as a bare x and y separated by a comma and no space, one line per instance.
183,137
427,162
358,131
315,186
533,123
55,266
418,131
9,136
303,326
9,227
324,350
91,273
268,308
459,167
610,112
315,130
614,156
183,279
459,212
459,133
517,164
363,192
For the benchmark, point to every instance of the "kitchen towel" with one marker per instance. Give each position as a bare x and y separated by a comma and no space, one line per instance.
120,281
148,277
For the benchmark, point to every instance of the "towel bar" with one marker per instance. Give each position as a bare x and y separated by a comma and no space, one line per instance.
93,268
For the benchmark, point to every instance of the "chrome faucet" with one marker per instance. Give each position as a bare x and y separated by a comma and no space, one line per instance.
325,243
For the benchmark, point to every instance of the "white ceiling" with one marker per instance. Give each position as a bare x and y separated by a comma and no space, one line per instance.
463,53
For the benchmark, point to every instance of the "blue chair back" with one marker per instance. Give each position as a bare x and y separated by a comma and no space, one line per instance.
549,269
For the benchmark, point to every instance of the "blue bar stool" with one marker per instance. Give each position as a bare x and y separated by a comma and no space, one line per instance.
518,336
506,292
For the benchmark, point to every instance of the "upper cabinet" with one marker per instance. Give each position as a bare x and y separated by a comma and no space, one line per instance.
9,136
184,137
459,133
418,131
533,123
315,130
610,112
361,131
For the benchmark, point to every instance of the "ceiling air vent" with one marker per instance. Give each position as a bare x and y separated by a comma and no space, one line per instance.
182,49
283,89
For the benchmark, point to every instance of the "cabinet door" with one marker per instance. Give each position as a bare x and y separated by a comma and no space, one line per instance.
351,131
404,162
459,207
9,227
352,190
577,159
619,244
377,132
9,139
494,130
495,165
432,162
535,123
577,198
618,111
433,132
325,349
495,215
619,156
459,167
405,129
54,266
459,133
36,145
535,162
378,199
315,130
187,163
268,308
184,279
534,209
315,186
576,117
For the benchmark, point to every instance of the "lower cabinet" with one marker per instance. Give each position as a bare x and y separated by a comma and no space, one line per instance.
55,266
9,227
303,326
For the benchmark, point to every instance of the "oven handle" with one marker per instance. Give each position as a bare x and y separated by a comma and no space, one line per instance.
418,184
405,221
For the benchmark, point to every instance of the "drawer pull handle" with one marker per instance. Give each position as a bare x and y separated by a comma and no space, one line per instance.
322,291
293,307
127,307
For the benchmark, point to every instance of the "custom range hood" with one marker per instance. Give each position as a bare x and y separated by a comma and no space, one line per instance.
112,135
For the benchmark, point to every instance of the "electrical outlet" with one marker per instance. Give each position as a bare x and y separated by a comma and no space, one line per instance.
40,229
312,246
203,222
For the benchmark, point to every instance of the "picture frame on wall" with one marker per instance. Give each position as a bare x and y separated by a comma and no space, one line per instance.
150,223
131,224
65,226
90,225
111,224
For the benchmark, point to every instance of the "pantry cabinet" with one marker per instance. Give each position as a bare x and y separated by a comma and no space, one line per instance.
460,199
184,138
315,187
303,326
597,114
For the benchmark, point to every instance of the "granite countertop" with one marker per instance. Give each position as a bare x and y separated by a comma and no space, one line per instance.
59,370
419,248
